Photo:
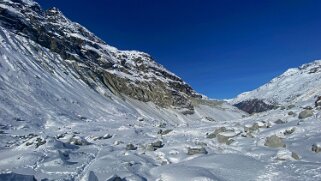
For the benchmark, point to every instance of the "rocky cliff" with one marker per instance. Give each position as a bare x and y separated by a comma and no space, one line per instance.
125,73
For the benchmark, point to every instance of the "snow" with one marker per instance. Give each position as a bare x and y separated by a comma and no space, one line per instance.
11,9
29,2
229,134
62,110
54,126
296,85
59,108
284,154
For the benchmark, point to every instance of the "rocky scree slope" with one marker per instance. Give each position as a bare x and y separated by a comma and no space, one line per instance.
295,86
128,73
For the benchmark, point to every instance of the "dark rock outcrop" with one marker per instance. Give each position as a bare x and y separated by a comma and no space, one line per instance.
131,147
254,106
316,148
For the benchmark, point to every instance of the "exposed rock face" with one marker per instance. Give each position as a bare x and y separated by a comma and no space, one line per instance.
254,106
130,73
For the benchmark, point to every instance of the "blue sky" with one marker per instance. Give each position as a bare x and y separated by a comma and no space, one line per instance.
221,48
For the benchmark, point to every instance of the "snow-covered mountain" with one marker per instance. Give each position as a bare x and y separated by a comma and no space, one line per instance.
131,73
59,81
295,86
75,108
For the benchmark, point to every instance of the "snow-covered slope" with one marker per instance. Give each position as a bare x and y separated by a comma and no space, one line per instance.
296,85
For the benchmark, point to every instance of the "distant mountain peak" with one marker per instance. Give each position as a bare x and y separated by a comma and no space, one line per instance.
293,86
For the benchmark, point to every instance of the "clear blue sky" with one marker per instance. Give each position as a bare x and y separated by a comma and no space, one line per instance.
220,47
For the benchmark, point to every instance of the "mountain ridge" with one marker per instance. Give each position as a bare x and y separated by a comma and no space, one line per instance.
132,73
293,86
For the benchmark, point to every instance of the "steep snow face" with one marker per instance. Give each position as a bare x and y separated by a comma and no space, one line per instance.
37,86
130,73
296,85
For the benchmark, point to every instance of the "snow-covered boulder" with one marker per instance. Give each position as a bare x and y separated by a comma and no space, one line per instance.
154,146
131,147
216,132
274,142
226,137
140,119
305,114
195,151
289,131
280,121
37,141
78,140
285,154
255,127
106,136
316,147
295,156
164,132
291,113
